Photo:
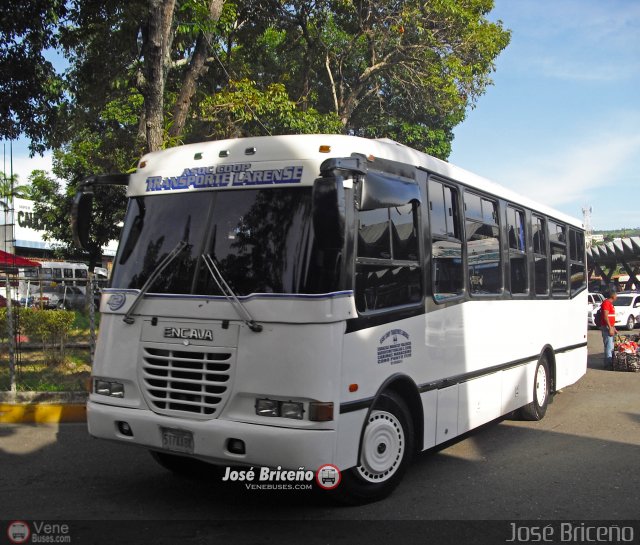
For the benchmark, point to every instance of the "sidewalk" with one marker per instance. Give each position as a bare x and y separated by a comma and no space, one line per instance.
42,407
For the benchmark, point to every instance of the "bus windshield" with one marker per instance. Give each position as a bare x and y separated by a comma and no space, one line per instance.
262,241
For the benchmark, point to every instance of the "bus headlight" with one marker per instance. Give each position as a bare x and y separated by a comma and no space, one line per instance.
108,388
292,409
267,407
318,411
284,409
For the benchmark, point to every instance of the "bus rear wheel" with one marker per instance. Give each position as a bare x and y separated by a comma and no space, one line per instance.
386,449
541,393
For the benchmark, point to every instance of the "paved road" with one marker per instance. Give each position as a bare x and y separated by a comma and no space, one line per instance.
580,462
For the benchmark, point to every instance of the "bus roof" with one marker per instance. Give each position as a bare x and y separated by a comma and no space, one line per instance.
61,264
290,160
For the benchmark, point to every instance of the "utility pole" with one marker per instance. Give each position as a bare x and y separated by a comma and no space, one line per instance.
588,228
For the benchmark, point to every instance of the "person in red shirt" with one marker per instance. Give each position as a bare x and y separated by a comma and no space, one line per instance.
607,326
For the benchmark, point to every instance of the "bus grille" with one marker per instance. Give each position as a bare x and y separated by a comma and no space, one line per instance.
181,383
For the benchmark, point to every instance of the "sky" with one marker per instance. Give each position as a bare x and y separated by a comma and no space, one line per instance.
561,123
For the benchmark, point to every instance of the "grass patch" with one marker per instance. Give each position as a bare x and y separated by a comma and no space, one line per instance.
80,332
32,375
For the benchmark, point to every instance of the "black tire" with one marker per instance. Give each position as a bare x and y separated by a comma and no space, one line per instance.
541,393
183,465
387,446
631,323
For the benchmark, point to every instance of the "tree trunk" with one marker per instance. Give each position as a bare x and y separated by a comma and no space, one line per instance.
156,55
197,68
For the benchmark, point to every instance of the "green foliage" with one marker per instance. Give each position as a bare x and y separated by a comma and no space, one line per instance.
30,89
407,71
243,109
619,233
377,68
81,321
4,332
49,327
10,189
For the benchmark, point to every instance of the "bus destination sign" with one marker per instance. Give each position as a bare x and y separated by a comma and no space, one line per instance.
228,175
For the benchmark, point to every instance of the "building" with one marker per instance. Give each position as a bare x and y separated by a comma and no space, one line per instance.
22,232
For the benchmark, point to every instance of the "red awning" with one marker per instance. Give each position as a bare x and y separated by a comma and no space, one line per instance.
8,260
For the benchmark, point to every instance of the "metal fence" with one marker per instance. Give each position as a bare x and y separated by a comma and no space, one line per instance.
64,334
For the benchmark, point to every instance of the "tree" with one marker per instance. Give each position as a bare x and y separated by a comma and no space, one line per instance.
155,48
30,89
148,74
242,109
407,69
126,60
10,189
53,202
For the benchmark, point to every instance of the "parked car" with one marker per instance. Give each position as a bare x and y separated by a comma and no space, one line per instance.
627,307
65,297
595,300
28,301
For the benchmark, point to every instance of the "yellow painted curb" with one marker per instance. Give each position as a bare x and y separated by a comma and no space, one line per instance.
25,413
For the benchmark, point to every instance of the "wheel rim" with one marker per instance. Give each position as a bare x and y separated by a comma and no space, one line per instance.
630,322
383,447
541,385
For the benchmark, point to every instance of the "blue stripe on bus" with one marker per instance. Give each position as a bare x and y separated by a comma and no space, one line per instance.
365,403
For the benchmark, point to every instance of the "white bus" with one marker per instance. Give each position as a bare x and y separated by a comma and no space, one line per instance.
51,277
297,301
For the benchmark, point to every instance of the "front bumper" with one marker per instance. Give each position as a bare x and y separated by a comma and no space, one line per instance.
268,446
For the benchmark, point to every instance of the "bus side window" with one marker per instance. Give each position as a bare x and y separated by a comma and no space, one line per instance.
558,245
517,251
541,280
80,276
446,243
576,258
388,272
483,245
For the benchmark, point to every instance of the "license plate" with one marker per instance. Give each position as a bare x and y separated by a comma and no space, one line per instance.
177,440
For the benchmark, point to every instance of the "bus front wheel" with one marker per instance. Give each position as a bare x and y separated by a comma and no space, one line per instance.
541,392
387,446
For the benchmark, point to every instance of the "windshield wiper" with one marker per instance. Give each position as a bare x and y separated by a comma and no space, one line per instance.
179,248
229,294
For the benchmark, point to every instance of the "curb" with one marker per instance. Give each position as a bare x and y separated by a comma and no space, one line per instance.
42,407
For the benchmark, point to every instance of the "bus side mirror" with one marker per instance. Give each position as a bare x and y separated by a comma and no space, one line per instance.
82,208
380,190
81,214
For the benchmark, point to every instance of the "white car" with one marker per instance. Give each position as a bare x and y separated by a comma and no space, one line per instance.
627,307
595,300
